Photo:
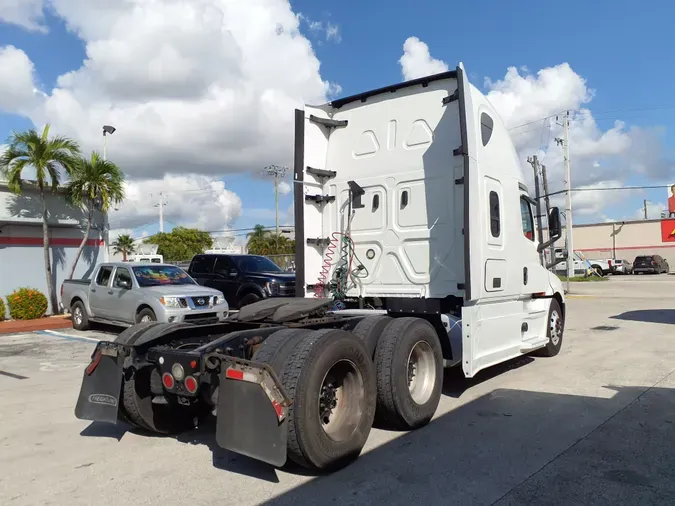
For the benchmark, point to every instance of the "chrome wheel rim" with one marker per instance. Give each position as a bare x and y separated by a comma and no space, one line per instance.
77,315
555,327
421,372
146,319
341,400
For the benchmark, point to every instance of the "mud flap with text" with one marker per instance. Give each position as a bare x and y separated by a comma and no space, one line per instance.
101,385
252,414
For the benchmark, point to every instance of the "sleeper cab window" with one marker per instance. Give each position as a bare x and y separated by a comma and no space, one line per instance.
486,127
527,218
495,226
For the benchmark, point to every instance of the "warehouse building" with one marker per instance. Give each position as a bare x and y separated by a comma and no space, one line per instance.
21,251
625,240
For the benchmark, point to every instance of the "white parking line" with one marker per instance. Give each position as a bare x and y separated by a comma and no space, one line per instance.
68,336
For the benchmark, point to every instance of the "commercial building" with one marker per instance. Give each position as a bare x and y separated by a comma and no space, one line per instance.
21,251
626,239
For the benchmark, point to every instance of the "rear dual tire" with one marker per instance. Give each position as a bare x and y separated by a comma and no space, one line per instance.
330,377
409,362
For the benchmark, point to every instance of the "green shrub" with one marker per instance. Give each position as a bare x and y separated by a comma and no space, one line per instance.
27,304
2,309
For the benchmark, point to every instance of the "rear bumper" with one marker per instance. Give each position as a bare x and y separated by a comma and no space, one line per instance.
251,405
648,270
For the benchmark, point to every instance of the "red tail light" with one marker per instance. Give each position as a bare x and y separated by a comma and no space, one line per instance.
168,381
94,363
191,384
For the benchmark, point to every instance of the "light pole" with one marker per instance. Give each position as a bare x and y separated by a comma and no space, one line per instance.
277,171
107,129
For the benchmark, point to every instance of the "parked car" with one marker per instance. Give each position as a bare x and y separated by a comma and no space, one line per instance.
123,293
652,264
620,266
601,266
243,279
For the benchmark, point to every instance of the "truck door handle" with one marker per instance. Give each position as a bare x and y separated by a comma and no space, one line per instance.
524,275
93,289
110,292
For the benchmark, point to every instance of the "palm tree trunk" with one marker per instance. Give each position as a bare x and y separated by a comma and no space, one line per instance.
48,264
124,255
84,239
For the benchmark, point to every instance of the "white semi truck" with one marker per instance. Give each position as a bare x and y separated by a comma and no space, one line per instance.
416,251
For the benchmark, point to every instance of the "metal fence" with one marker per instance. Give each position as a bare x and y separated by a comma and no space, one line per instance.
286,262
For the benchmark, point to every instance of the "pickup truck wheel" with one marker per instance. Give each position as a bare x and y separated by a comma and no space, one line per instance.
369,331
79,316
555,327
331,380
248,299
146,315
598,270
409,363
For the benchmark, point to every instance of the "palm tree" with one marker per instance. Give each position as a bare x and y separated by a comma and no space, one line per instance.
95,183
48,157
124,244
257,240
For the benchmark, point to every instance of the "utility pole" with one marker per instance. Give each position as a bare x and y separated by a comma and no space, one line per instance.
645,208
548,208
532,160
277,171
161,205
568,197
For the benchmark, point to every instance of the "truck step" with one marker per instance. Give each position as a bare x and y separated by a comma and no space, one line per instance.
533,344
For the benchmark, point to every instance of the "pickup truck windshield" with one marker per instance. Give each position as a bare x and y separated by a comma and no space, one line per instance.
155,275
256,264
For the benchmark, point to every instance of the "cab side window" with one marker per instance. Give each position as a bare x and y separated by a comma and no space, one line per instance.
104,276
202,265
527,218
224,266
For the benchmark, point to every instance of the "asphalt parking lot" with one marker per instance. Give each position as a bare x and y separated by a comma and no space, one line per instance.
595,425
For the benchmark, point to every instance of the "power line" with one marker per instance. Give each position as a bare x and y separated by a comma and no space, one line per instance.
615,188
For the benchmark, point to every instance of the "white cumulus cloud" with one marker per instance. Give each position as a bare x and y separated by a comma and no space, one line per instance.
24,13
203,87
189,200
17,81
417,61
207,86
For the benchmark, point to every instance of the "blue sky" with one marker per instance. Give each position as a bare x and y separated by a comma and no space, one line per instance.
621,50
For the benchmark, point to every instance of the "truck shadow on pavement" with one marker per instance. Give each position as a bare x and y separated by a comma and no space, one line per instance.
666,316
519,447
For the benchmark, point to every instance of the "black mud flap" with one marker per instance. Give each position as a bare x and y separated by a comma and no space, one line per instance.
252,413
101,385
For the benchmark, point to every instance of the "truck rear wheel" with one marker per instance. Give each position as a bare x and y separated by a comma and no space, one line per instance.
330,378
370,329
409,363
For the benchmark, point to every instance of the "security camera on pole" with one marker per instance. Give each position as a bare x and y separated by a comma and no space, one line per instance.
107,130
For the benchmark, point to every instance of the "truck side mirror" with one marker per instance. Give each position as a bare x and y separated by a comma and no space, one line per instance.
124,284
554,228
